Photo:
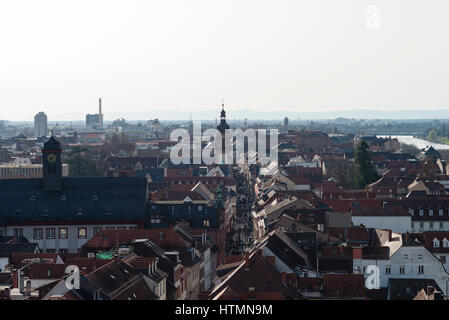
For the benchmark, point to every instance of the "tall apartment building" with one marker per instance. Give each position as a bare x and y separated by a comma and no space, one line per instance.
40,125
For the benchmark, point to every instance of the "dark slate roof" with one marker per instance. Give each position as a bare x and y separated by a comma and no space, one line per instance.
176,211
52,144
156,174
25,247
98,198
407,289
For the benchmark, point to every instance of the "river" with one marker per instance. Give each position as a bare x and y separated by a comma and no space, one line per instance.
419,143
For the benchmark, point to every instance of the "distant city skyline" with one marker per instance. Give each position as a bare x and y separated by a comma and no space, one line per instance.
157,56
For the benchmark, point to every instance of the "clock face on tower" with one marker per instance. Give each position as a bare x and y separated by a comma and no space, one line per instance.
51,158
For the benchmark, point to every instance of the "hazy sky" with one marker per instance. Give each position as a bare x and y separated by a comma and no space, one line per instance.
60,56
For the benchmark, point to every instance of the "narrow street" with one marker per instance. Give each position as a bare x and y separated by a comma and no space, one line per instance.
240,238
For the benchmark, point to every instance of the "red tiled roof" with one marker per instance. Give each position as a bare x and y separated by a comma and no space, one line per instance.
46,271
109,238
17,258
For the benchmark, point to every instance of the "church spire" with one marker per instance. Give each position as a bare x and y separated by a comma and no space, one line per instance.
223,125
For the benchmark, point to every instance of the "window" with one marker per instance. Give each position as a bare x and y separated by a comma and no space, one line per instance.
18,232
206,223
430,212
37,233
63,197
82,233
405,256
388,270
200,208
445,243
161,235
50,233
51,251
421,212
412,212
110,228
431,225
441,226
421,224
440,212
63,233
402,269
436,243
97,229
156,219
421,269
420,256
364,269
63,251
45,213
443,259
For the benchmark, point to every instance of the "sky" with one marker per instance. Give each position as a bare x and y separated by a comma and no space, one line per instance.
144,56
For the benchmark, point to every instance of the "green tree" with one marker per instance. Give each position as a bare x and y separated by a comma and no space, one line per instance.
81,163
364,172
432,136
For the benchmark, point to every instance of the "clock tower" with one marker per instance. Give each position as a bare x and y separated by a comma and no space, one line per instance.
52,165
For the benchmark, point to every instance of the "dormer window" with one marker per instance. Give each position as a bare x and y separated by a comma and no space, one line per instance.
430,212
412,212
95,198
45,213
79,212
108,212
63,198
445,243
33,198
436,243
440,212
421,212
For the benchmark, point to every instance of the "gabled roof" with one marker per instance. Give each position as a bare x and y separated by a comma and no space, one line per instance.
116,278
257,274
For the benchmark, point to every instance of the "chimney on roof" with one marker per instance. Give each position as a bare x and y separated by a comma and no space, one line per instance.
247,260
357,253
284,277
15,278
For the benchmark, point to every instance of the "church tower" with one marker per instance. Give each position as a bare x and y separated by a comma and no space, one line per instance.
52,165
223,125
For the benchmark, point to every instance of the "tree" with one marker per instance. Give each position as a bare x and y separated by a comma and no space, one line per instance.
343,173
81,163
364,172
432,136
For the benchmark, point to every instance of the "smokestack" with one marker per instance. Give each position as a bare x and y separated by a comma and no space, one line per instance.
100,113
